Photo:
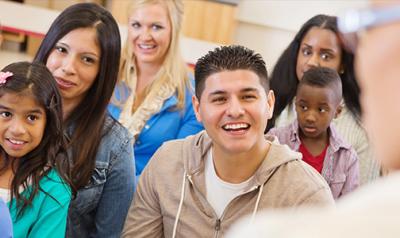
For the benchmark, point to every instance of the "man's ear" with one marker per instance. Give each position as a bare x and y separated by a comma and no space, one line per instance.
1,39
341,69
271,103
196,107
338,110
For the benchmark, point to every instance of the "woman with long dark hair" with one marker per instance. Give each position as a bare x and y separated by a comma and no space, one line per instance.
82,51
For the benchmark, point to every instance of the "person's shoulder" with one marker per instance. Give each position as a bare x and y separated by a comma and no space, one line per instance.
115,132
302,184
284,133
293,170
116,142
55,187
377,195
303,173
180,150
52,178
338,143
279,131
188,143
171,161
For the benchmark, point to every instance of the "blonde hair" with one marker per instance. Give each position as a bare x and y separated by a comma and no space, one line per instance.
173,71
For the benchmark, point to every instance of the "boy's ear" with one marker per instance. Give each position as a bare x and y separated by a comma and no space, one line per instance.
271,103
196,107
338,110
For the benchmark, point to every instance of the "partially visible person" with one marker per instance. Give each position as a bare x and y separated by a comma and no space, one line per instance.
82,51
31,146
373,210
6,228
1,36
199,186
153,98
316,44
317,101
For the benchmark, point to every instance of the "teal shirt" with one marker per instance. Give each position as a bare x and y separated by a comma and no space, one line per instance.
47,215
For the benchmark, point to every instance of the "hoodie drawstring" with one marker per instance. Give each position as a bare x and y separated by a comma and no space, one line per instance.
257,203
180,205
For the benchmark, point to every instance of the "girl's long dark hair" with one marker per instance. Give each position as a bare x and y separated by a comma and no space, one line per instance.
284,79
34,79
88,117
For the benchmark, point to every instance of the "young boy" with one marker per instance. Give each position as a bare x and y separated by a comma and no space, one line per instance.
318,98
199,186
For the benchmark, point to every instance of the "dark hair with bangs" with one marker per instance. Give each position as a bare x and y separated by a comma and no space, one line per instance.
34,79
229,58
284,80
89,116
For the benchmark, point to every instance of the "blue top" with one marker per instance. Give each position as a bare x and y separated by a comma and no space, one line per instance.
6,229
100,208
47,215
167,124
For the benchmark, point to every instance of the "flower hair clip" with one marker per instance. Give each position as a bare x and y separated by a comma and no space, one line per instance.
4,76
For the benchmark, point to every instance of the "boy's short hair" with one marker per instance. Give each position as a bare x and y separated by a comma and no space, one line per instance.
323,77
229,58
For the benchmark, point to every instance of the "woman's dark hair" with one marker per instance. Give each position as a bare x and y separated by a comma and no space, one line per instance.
284,79
34,79
88,117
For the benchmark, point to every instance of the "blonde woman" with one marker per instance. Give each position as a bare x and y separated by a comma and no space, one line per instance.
153,98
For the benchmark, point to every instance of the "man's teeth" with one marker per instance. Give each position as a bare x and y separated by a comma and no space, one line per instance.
146,46
236,126
16,142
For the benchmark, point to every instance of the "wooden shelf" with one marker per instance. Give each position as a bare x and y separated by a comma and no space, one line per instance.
15,37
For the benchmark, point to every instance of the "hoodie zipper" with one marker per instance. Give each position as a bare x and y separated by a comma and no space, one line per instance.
217,227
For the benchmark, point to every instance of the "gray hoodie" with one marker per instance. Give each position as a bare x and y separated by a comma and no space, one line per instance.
170,199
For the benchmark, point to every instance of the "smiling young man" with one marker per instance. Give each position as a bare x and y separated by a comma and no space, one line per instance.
199,186
372,211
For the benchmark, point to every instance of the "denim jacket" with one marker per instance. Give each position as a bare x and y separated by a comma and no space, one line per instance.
340,168
100,208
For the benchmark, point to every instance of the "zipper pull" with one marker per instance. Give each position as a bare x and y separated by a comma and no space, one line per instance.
218,225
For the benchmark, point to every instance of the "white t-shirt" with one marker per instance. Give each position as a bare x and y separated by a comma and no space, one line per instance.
5,194
220,193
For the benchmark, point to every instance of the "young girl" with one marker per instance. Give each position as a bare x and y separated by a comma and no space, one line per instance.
31,141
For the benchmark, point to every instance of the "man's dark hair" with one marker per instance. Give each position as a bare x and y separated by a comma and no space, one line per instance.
322,77
229,58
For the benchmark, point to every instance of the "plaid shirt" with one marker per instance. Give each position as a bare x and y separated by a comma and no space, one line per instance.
340,167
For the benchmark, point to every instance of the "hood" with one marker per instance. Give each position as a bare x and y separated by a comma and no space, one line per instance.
198,146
